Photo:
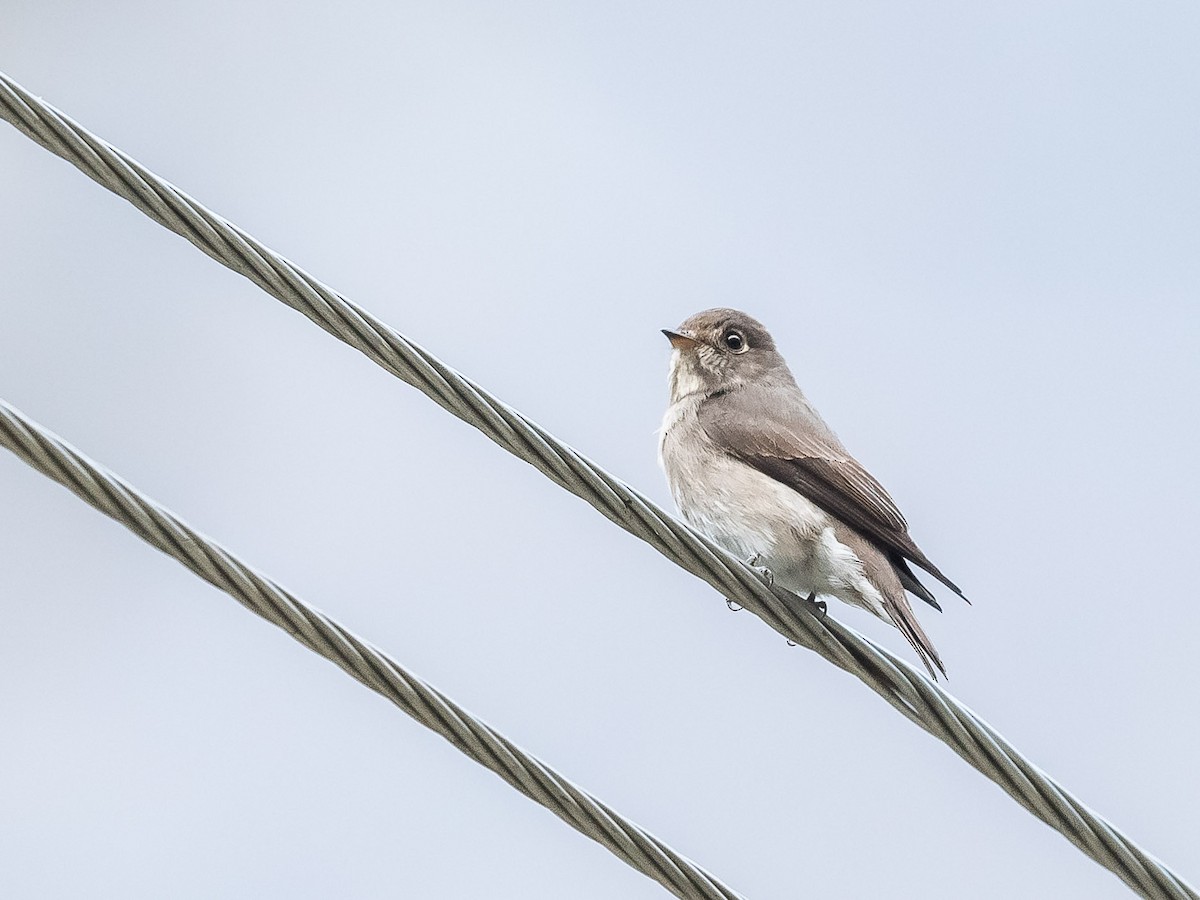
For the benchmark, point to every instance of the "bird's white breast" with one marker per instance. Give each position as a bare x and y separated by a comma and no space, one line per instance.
740,508
749,513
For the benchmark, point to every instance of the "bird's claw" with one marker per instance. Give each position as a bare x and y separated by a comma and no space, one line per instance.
733,607
767,575
821,606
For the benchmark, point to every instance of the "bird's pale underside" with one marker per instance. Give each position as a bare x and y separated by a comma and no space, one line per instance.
752,465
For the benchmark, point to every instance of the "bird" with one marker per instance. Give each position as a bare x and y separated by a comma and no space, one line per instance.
752,465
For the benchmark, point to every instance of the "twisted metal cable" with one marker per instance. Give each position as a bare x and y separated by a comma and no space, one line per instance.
907,690
160,528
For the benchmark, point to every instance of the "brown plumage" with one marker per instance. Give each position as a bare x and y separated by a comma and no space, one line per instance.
734,398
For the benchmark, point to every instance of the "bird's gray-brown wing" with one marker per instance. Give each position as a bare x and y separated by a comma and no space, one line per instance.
775,430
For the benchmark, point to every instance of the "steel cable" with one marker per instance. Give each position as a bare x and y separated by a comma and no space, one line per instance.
906,689
161,528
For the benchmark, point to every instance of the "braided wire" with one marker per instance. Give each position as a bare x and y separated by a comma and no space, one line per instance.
907,690
159,527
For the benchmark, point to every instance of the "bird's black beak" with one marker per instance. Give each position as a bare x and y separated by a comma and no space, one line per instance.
680,341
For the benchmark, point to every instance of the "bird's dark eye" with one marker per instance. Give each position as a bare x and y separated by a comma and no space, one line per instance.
734,341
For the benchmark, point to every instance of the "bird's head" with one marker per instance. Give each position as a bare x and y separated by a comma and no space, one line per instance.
720,349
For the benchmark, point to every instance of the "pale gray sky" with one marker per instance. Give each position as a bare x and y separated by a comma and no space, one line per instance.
973,231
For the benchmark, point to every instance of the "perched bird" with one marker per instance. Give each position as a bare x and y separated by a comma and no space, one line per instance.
754,467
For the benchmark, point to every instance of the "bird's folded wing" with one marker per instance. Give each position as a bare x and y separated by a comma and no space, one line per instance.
779,433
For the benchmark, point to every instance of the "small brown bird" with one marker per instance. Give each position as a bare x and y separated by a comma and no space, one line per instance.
754,467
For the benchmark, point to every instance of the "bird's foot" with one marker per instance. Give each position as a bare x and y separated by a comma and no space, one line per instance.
733,607
819,609
766,574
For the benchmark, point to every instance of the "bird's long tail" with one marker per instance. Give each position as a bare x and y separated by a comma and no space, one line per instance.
906,621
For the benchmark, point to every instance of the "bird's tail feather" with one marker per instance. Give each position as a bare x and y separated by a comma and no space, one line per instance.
923,561
909,579
904,619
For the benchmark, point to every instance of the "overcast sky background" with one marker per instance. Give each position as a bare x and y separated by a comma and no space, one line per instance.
975,233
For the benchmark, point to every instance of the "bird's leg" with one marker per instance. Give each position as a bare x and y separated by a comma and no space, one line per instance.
767,575
763,572
820,608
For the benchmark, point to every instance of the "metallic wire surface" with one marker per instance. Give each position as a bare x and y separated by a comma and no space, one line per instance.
161,528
